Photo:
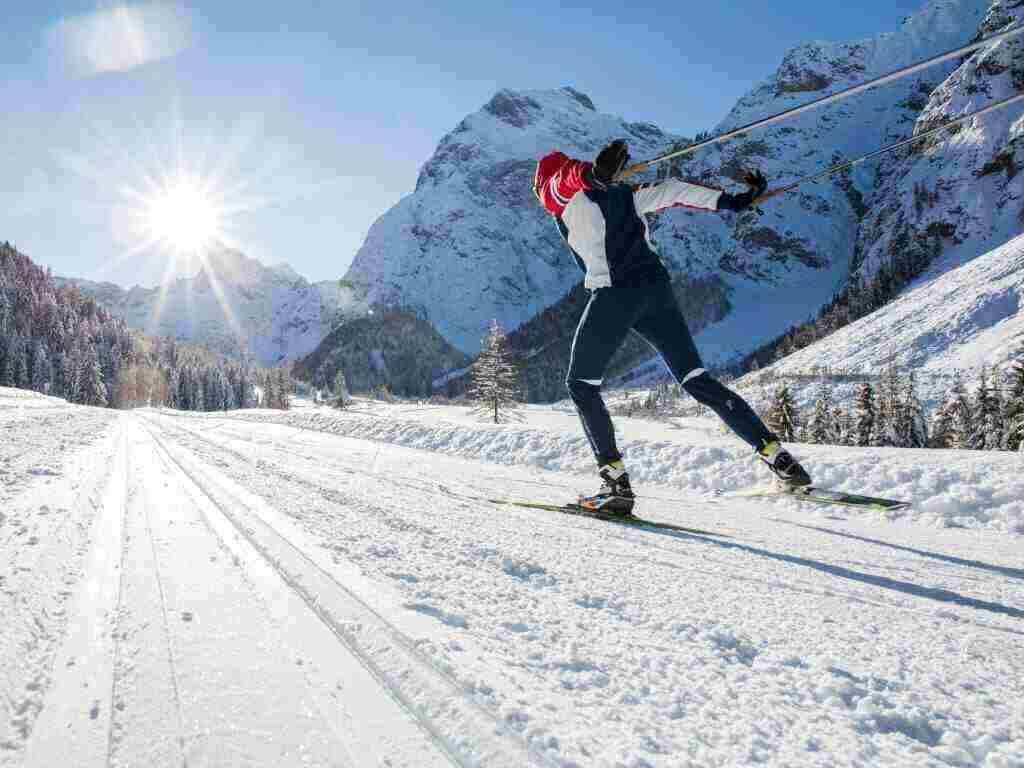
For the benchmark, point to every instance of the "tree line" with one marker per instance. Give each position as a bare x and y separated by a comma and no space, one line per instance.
890,414
57,341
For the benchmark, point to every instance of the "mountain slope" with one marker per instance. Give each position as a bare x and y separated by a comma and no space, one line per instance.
234,305
390,347
958,193
957,317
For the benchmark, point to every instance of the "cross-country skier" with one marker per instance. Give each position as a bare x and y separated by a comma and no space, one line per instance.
604,225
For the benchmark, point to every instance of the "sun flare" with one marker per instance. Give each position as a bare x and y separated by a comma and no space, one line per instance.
182,216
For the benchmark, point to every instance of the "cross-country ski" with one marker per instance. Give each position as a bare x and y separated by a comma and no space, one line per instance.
483,385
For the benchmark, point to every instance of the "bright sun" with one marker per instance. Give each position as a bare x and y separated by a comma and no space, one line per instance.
182,216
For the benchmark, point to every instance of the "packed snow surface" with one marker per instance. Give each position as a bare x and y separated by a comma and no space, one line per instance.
268,589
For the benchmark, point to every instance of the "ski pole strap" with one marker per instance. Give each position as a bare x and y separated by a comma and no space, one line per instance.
910,140
822,101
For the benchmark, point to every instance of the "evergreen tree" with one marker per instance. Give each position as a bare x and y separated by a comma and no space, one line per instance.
270,397
914,418
494,378
341,396
890,422
942,427
72,375
92,390
1013,410
19,368
961,415
821,427
864,418
987,431
782,417
284,389
841,426
41,373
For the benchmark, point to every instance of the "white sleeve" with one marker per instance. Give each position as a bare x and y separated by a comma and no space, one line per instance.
654,197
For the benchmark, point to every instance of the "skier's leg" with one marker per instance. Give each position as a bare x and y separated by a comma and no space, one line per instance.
664,328
602,328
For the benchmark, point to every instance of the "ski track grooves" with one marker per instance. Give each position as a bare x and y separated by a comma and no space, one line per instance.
480,737
650,537
175,687
468,501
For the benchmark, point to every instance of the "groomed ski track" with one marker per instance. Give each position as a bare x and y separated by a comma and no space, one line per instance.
259,595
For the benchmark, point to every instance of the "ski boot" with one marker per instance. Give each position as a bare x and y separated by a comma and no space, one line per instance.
615,497
785,468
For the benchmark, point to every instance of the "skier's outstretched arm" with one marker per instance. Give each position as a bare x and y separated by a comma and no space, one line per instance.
675,193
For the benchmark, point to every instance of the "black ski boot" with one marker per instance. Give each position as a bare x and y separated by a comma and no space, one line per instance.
615,497
784,466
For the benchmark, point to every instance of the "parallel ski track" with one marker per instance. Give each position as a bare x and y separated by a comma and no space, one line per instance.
623,535
694,497
629,534
513,752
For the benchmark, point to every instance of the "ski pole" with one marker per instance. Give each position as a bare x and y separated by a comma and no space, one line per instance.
923,135
822,101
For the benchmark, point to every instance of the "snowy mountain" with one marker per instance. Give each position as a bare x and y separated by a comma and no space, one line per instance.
943,205
234,305
956,194
470,243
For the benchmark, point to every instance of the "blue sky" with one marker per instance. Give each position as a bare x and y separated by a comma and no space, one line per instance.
316,117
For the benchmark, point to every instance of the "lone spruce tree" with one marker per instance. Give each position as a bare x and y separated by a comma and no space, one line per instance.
1014,409
864,424
341,396
495,380
782,416
822,427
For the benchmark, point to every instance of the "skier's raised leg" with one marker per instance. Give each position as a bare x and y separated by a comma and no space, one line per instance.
664,328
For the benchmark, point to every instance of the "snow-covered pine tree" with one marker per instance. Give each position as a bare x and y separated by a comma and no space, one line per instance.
890,422
41,373
284,389
341,396
494,378
864,416
986,413
782,417
961,414
821,428
942,427
173,388
841,425
916,421
92,390
72,375
269,390
1013,411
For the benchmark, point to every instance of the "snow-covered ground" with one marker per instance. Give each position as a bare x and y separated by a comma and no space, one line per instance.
269,589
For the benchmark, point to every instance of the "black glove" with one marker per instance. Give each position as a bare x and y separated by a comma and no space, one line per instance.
757,184
610,161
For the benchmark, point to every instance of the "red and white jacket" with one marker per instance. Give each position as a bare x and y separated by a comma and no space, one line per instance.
606,227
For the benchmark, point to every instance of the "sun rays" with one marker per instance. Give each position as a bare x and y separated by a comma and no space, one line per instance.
183,217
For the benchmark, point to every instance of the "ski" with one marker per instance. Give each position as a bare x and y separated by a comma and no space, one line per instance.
821,496
577,511
628,520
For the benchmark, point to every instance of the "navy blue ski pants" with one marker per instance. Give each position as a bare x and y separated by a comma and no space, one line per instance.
649,310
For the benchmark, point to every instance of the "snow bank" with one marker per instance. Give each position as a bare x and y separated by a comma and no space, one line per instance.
969,489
